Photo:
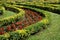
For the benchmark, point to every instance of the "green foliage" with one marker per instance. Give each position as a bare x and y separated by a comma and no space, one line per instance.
2,37
11,19
2,9
50,7
16,35
34,27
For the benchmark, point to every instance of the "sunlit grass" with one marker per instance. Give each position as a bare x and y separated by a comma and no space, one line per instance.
7,14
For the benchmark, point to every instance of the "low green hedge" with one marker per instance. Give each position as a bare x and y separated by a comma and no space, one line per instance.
43,7
13,18
16,35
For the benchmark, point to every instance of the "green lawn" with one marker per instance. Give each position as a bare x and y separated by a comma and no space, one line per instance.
52,32
7,14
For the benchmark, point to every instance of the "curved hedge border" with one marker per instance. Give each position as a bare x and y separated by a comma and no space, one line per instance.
13,18
47,8
22,34
35,9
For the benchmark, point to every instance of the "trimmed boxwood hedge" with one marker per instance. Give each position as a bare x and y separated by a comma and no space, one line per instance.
16,35
14,18
47,8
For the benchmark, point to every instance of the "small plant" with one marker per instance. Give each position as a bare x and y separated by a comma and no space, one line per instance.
1,10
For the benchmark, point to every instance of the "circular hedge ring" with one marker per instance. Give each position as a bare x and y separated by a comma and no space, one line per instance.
19,15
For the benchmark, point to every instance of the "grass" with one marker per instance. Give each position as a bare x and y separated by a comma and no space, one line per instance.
51,33
7,14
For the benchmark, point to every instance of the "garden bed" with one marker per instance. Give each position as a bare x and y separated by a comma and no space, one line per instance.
34,20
